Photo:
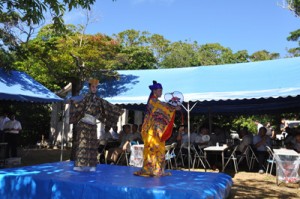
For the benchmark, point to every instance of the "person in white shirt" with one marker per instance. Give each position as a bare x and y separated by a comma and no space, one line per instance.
114,133
114,153
105,134
260,142
203,138
3,120
135,134
247,140
12,129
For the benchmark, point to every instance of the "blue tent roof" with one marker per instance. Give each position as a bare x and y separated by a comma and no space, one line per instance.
265,85
19,86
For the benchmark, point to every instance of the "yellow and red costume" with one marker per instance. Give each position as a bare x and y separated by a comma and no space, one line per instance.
156,129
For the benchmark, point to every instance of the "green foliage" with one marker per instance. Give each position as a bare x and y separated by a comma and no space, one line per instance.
263,55
294,6
129,38
180,54
133,58
55,59
214,54
6,59
34,11
294,36
140,50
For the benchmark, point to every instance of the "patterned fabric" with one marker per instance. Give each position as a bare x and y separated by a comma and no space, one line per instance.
156,122
86,141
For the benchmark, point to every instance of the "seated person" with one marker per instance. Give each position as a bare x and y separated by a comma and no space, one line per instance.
114,133
184,139
247,140
136,135
114,153
105,134
220,136
104,137
203,138
260,142
173,138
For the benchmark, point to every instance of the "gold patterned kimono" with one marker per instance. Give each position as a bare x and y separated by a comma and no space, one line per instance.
86,142
157,127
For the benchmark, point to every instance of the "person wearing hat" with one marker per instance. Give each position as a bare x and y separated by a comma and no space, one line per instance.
157,128
84,114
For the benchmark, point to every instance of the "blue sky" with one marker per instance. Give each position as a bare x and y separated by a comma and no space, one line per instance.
251,25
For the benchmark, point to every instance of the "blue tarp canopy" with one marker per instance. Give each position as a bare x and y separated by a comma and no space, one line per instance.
19,86
243,87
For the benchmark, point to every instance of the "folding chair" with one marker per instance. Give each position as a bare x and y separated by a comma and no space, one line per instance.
182,156
271,160
170,154
233,158
197,156
124,155
201,154
253,158
245,155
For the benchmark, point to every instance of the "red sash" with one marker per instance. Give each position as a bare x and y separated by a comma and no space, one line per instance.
168,132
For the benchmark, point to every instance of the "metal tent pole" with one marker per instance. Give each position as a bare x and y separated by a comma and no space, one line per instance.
188,110
210,120
62,133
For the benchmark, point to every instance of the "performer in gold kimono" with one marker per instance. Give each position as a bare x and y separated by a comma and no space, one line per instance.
157,128
84,114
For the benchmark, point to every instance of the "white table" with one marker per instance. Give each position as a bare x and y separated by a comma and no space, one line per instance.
216,149
286,152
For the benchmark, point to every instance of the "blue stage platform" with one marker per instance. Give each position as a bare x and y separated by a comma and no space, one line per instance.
59,181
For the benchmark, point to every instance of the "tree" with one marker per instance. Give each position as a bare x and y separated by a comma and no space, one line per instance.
55,59
292,5
263,55
134,58
34,11
241,56
159,46
180,54
215,54
136,51
20,19
294,36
